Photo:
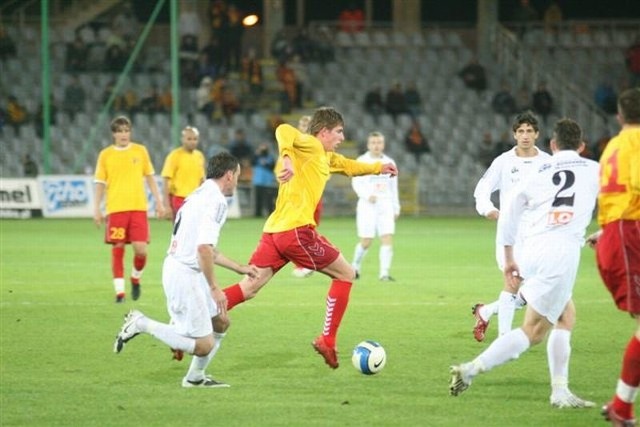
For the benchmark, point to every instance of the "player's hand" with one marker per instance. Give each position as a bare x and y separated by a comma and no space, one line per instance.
286,173
389,168
512,275
249,270
98,219
220,299
493,215
160,212
592,240
168,213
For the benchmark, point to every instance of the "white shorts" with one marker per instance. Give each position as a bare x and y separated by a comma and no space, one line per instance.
549,269
375,219
189,300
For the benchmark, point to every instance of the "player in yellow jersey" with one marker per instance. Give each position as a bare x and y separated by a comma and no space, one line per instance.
183,170
121,171
290,235
618,244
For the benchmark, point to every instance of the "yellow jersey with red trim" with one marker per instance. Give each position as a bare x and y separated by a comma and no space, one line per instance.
312,166
122,170
185,171
619,197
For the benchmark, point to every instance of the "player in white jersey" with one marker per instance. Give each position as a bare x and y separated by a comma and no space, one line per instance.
377,210
195,302
551,212
505,172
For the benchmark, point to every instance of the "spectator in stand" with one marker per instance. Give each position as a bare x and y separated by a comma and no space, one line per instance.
77,54
211,58
150,103
373,102
219,20
264,180
351,19
74,98
542,101
127,102
523,100
240,147
486,151
302,79
504,103
17,114
204,100
415,142
395,101
7,45
524,15
252,73
235,31
287,76
281,49
474,76
189,57
29,166
166,99
632,60
189,25
606,97
39,117
552,17
115,58
229,103
413,99
302,45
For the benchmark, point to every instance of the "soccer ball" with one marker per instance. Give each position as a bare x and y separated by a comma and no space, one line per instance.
369,357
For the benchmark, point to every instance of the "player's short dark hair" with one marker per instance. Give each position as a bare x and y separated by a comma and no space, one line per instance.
220,164
567,134
325,117
629,105
526,117
119,122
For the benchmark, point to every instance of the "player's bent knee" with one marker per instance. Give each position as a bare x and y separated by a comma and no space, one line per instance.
221,323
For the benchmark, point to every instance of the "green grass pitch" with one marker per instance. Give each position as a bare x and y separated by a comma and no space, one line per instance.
58,322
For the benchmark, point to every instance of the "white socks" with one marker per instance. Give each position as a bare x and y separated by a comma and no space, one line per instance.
118,285
199,364
558,354
506,310
505,348
358,256
167,334
385,257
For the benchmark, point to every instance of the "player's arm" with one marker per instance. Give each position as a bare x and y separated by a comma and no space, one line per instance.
206,262
485,187
98,217
234,266
509,226
286,136
167,174
151,182
349,167
395,196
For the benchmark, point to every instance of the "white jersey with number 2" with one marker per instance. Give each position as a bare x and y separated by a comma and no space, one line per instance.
548,215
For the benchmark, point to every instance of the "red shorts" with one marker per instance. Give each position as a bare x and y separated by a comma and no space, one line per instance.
176,203
618,255
303,246
127,227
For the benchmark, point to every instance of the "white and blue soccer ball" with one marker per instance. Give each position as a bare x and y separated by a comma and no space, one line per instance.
369,357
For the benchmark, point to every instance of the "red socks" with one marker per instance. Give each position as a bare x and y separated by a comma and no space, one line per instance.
630,375
337,301
139,261
117,262
234,295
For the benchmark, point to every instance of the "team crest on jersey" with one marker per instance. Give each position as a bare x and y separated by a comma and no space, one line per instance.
515,170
